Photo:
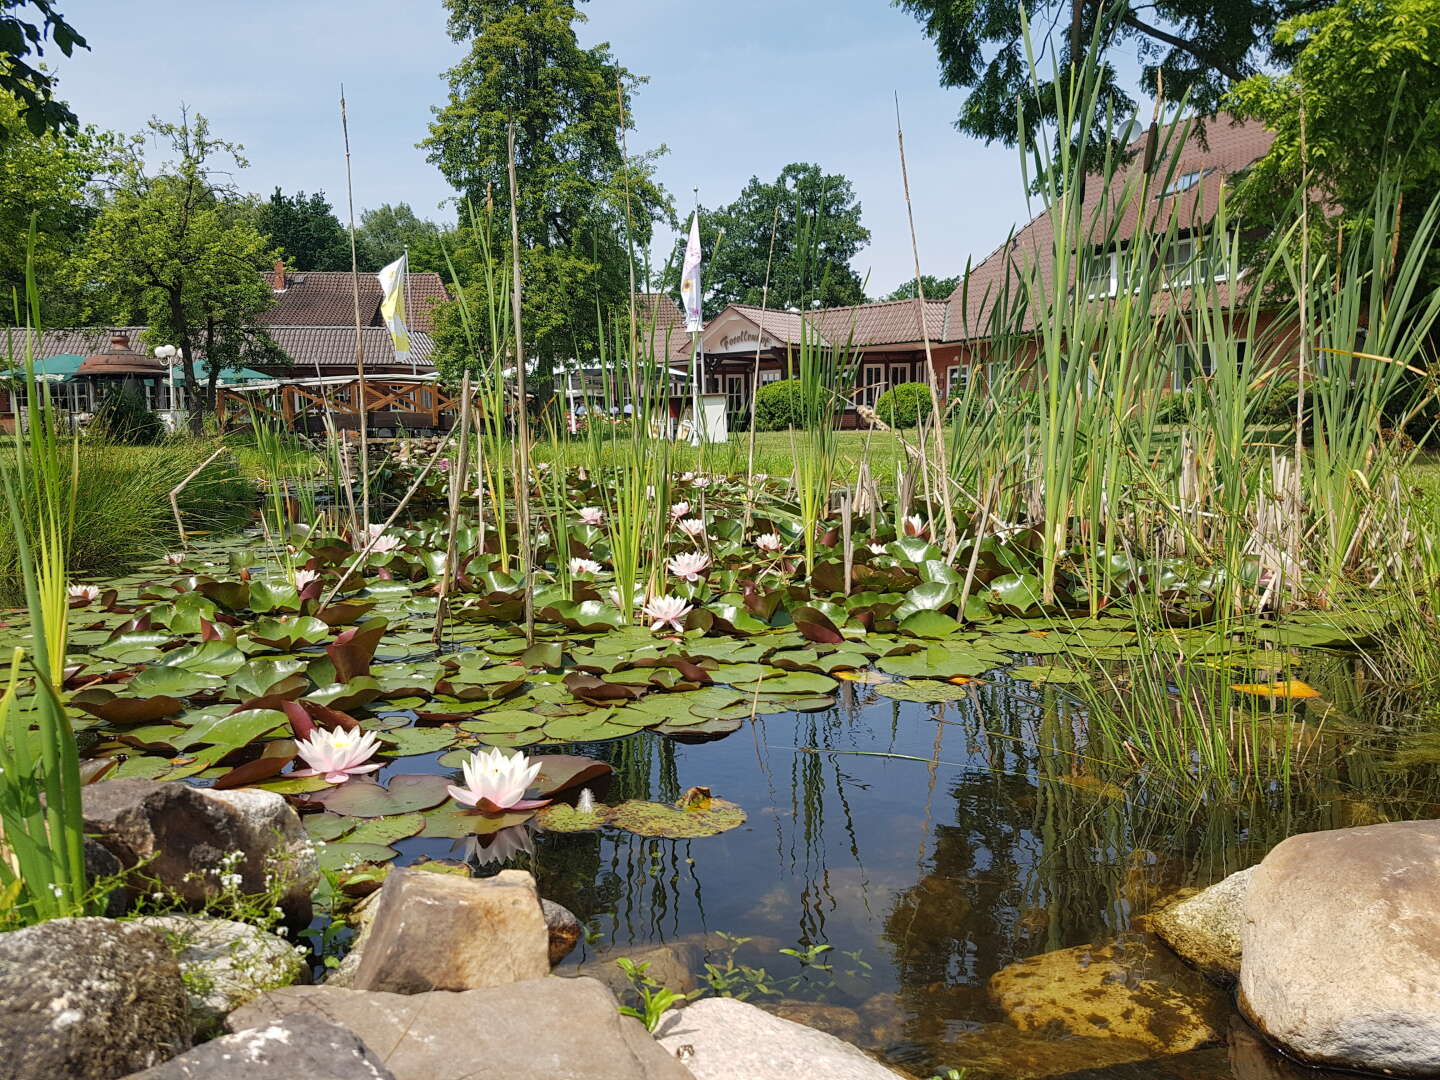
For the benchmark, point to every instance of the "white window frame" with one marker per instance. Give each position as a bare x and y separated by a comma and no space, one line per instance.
872,383
768,377
735,386
957,378
903,371
1110,283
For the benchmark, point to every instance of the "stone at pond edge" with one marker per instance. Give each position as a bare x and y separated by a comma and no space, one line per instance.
835,1020
1341,947
1002,1050
293,1046
726,1039
441,932
1133,988
672,966
563,929
542,1029
186,833
1205,928
224,963
89,998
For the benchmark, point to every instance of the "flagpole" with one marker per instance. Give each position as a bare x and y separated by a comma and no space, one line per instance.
362,422
697,360
405,302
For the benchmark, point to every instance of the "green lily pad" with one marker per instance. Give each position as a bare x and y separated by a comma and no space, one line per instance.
233,731
455,822
409,741
561,817
1054,673
344,854
386,830
655,819
326,826
367,799
927,690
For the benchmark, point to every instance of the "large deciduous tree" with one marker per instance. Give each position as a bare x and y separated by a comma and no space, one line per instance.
582,206
306,229
1195,50
180,247
936,288
32,86
817,232
388,231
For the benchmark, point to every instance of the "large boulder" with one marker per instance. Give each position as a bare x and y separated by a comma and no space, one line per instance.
442,932
191,840
1205,928
1133,989
90,998
225,963
727,1039
1341,948
543,1029
295,1046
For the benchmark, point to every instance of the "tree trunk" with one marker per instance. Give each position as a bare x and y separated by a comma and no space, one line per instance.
187,354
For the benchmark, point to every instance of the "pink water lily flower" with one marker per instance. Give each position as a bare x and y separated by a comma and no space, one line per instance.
337,754
690,565
496,781
770,543
584,566
591,515
306,577
385,543
692,527
85,593
663,611
679,510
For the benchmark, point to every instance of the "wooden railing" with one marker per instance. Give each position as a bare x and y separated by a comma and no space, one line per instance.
400,404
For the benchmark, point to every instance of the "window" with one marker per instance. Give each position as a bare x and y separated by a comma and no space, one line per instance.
735,394
957,378
767,377
872,383
1100,273
899,373
1192,362
1185,181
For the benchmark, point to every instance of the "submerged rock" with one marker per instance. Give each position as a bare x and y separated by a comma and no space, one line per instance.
188,838
563,928
672,966
1205,928
224,963
726,1039
1341,948
837,1020
1001,1050
89,998
541,1029
442,932
1133,989
293,1046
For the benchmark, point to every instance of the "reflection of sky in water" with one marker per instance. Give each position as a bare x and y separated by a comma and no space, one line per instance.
934,872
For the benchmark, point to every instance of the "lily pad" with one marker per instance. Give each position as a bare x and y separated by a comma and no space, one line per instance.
655,819
924,690
560,817
367,799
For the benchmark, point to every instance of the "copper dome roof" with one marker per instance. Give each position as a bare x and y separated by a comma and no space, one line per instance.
118,360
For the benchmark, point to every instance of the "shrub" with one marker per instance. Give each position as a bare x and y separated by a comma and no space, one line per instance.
902,406
1174,408
121,417
777,406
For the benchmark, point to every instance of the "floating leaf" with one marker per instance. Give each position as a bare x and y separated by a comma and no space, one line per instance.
560,817
386,830
366,798
456,822
655,819
344,854
927,691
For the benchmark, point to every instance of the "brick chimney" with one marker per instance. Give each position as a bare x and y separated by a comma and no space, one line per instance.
279,285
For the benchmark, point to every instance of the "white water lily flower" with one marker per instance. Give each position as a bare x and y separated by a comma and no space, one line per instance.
770,543
174,558
496,781
584,566
692,527
86,593
305,577
690,565
701,480
914,525
591,515
337,754
876,549
663,611
386,543
679,510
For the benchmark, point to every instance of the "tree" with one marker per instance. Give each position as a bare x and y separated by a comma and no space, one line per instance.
306,229
816,234
583,207
47,180
33,87
181,248
387,231
1195,49
936,288
1368,73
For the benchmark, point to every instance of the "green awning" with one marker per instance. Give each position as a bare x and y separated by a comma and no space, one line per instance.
62,366
232,375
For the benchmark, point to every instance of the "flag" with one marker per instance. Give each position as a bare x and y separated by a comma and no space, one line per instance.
392,306
690,279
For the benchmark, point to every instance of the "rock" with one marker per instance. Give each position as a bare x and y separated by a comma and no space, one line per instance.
837,1020
886,1019
542,1029
726,1039
1252,1058
224,963
1341,948
185,837
1132,989
672,966
1005,1051
293,1046
441,932
90,998
360,918
564,929
1205,928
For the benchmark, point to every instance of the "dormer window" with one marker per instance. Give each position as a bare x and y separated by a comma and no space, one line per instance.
1184,182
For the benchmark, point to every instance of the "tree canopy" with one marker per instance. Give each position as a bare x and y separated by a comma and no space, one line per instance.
817,233
306,229
583,206
936,288
386,231
31,86
1194,49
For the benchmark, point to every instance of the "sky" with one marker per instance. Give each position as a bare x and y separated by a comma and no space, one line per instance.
735,90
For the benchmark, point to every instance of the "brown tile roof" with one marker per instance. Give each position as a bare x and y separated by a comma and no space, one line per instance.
889,322
1216,150
326,298
658,311
81,341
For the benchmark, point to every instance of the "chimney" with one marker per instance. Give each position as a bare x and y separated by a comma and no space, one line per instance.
279,285
119,342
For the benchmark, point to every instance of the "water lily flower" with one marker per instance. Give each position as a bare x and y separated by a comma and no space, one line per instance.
685,478
876,549
679,510
701,480
585,804
584,566
386,543
306,577
914,525
663,611
496,781
337,754
84,593
692,527
591,515
770,543
690,565
174,558
500,847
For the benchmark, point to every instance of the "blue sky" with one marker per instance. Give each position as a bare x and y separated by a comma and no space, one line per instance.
736,89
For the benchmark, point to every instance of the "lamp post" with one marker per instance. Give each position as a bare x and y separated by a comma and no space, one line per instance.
170,356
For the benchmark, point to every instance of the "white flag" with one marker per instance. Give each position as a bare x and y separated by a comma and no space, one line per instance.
392,289
690,279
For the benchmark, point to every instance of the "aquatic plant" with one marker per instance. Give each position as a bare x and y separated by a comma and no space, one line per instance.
337,754
496,782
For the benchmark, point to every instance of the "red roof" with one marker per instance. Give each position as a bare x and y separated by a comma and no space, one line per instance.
327,298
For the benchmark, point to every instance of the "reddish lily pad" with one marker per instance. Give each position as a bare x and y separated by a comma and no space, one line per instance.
367,799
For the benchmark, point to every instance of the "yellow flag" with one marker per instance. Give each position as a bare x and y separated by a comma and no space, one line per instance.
392,306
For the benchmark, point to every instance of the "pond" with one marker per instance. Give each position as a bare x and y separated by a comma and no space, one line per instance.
901,853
